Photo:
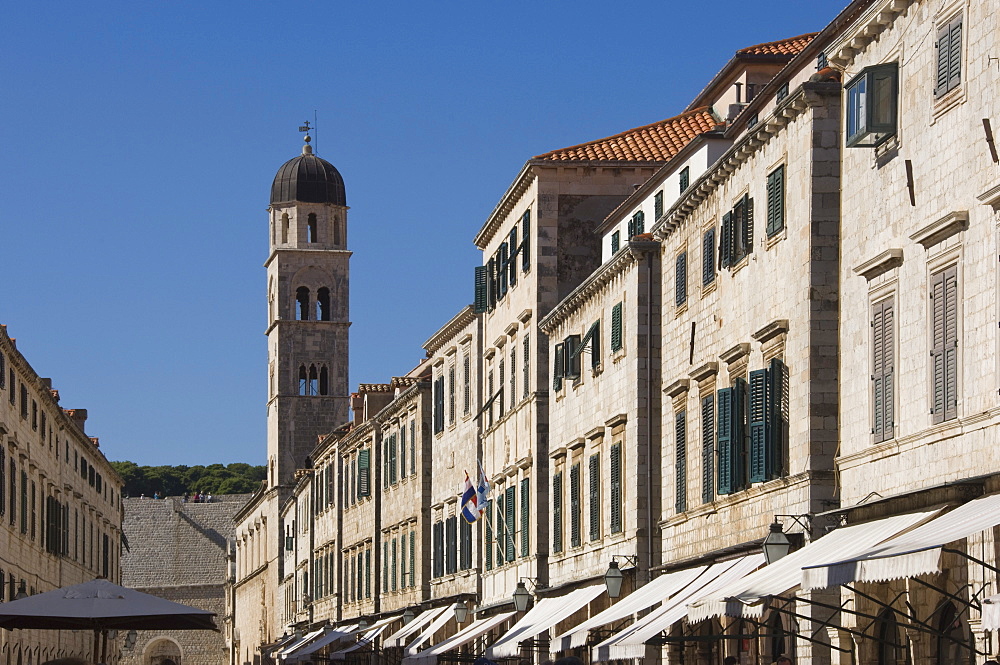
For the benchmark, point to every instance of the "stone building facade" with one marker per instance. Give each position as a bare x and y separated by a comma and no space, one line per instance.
181,551
60,505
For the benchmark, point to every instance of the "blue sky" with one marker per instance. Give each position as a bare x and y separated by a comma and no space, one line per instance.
139,141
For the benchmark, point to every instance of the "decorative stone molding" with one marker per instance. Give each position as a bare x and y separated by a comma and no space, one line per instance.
706,371
524,316
677,387
511,330
941,229
449,330
614,421
596,433
991,197
867,27
771,330
879,264
736,353
577,443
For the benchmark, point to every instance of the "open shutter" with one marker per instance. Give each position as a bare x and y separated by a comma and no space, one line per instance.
481,301
571,363
511,518
364,472
680,282
438,549
708,257
525,515
739,433
726,241
759,425
616,488
488,543
512,259
680,465
724,441
707,448
557,522
776,201
575,538
594,505
777,445
616,327
557,367
747,225
526,241
502,527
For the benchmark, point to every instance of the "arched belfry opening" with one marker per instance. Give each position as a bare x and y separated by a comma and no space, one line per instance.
311,228
302,300
323,304
284,228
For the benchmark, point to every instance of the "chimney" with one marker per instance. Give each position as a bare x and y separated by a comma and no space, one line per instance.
358,407
78,416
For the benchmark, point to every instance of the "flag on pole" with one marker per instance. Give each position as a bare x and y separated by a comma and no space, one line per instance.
482,491
470,509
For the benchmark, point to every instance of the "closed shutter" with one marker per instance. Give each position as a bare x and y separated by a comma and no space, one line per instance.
557,520
594,499
512,262
708,257
658,204
510,518
707,448
368,573
616,242
393,440
776,201
526,241
680,282
438,549
557,367
501,403
759,425
526,360
944,294
739,433
402,451
502,527
364,472
413,558
392,574
882,352
575,539
488,543
726,241
616,327
525,516
481,300
640,222
451,545
571,361
413,447
465,544
680,463
949,57
685,178
439,405
502,268
616,488
513,375
724,441
778,443
385,566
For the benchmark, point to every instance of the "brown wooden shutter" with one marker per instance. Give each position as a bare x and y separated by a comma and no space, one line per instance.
882,370
944,351
680,465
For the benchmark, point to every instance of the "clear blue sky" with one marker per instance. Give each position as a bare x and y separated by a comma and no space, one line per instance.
138,141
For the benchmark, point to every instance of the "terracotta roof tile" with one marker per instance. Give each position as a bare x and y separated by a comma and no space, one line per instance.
657,142
374,388
790,46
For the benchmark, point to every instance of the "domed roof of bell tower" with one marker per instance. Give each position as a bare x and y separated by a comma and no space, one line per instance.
308,179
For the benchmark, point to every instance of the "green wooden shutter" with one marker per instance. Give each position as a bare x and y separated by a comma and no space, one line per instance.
883,370
393,441
616,488
949,57
511,262
616,242
557,367
640,222
594,505
465,544
707,448
680,462
526,360
616,327
658,204
402,451
503,261
364,472
526,241
685,179
488,544
571,361
392,573
557,521
502,527
451,545
575,537
726,241
680,281
525,516
759,425
708,257
510,504
776,201
481,301
385,566
413,447
747,225
413,558
777,445
491,282
595,344
738,452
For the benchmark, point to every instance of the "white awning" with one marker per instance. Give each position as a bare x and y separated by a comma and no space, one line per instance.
991,613
547,613
330,634
308,637
419,622
743,597
439,621
917,552
653,593
471,632
631,642
371,633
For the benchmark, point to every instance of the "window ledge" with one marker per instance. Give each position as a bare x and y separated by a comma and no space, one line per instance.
941,229
681,309
709,288
772,240
879,264
949,100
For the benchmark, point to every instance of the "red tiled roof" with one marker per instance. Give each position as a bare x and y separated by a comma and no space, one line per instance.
790,46
652,143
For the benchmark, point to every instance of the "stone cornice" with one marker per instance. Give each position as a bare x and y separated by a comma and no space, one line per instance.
866,27
991,197
875,266
805,96
506,204
628,255
450,330
940,229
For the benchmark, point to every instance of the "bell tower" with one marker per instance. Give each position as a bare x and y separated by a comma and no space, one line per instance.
308,276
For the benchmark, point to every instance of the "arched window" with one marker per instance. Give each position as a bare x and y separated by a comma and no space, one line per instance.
313,381
336,229
324,381
311,234
302,298
887,634
303,380
323,304
953,645
284,227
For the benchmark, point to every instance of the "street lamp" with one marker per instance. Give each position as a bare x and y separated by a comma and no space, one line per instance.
521,596
614,577
776,544
461,612
132,637
22,592
408,616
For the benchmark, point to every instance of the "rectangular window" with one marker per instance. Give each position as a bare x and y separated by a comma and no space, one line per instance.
680,461
385,566
637,225
24,402
392,573
451,545
768,419
439,405
489,397
526,241
488,538
871,106
503,260
364,472
685,179
883,370
392,458
949,57
557,520
481,299
526,360
465,545
502,527
512,261
782,91
438,549
466,383
616,488
616,242
413,447
776,201
513,375
575,535
680,281
737,233
707,448
708,257
594,507
451,394
571,358
501,403
591,340
557,367
24,503
510,522
730,437
402,451
658,204
944,336
413,558
525,516
616,327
